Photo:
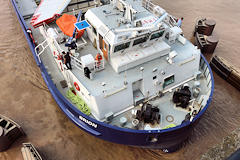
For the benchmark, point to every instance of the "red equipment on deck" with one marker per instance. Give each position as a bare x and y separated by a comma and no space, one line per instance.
66,24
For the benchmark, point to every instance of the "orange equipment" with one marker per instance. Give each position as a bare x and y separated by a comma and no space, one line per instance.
98,58
59,57
66,24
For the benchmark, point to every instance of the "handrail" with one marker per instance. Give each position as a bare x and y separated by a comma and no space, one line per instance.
43,48
98,66
57,46
77,63
148,5
82,44
154,25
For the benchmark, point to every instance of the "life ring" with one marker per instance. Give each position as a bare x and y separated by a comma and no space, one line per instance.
61,66
76,86
98,58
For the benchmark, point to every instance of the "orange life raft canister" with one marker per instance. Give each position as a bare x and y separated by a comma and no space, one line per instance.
66,24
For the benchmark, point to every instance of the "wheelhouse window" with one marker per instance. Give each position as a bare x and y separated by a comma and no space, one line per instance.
94,30
157,35
140,40
121,47
168,81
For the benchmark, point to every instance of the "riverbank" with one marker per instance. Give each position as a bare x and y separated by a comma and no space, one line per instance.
226,148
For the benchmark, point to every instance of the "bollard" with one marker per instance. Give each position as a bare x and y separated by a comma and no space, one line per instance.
210,25
212,42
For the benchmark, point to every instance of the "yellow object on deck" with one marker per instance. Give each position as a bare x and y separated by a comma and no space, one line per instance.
169,126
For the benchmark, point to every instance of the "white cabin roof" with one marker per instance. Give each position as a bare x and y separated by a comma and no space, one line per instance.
106,19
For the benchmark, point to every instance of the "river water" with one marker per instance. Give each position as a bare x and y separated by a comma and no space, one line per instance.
24,96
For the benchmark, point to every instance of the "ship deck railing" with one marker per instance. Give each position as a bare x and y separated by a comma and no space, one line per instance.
147,4
151,7
39,49
98,65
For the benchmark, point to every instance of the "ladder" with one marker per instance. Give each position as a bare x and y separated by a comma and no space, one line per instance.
29,152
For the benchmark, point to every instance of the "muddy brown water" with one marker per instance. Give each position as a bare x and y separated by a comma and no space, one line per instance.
25,98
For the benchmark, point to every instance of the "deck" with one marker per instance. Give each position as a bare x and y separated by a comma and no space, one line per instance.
167,109
115,81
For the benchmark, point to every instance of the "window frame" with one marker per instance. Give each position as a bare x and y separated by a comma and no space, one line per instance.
167,79
161,33
138,40
124,45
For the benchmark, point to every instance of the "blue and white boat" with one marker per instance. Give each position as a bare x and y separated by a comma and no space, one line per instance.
135,79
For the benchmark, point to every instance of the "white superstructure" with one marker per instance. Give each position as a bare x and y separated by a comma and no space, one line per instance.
136,43
145,55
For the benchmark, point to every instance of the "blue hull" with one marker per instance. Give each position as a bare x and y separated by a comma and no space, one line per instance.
168,140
